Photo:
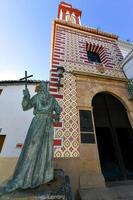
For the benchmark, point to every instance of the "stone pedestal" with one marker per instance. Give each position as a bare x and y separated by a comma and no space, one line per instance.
58,189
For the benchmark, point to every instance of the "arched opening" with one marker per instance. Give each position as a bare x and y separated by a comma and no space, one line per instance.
114,137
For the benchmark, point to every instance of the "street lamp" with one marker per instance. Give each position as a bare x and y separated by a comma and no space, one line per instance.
60,71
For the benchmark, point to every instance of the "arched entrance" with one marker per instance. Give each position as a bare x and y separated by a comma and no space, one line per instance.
114,137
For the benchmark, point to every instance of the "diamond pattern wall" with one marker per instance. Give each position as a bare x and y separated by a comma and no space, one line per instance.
70,130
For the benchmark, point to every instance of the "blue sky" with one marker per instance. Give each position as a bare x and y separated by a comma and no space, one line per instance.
25,31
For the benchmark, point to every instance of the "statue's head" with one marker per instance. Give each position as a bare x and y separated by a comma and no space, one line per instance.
42,86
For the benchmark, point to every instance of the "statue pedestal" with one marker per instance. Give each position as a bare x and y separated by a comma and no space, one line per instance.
58,189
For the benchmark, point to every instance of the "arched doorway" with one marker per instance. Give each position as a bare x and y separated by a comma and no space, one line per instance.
114,137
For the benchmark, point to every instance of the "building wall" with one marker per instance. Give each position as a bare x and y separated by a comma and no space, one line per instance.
81,82
70,51
128,69
14,123
125,47
85,170
13,120
127,52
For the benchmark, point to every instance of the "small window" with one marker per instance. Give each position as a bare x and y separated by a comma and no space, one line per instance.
86,127
93,57
2,139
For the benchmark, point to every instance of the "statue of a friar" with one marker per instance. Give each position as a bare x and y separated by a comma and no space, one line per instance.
34,166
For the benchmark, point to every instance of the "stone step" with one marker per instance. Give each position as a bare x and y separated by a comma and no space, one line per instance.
117,192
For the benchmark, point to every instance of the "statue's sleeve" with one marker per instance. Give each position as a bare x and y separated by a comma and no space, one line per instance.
57,110
27,102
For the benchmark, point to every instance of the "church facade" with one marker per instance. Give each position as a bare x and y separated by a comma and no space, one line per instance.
97,117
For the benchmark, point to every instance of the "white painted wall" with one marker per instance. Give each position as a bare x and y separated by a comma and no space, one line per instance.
126,48
125,51
128,69
13,120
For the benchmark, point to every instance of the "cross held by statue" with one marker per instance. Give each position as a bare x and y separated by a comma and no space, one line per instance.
26,79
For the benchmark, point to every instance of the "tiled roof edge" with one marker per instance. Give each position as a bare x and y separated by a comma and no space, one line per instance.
19,81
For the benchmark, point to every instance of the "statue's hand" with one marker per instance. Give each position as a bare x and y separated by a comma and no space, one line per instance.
26,92
57,119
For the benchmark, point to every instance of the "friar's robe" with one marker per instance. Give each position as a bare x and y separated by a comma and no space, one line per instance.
34,166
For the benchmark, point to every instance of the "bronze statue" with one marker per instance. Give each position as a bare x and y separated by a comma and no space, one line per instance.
34,166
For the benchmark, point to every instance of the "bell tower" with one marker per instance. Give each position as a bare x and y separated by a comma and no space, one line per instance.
68,13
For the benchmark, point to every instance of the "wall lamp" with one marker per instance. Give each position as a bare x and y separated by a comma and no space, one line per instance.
60,71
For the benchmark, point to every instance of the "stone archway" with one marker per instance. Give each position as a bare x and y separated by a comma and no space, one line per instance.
114,137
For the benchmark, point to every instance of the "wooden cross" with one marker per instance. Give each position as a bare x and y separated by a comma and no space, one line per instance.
26,78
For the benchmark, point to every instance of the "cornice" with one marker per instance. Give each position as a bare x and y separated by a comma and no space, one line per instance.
98,76
87,29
